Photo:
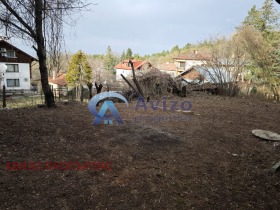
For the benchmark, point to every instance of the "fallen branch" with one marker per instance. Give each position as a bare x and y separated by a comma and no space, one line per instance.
135,80
130,85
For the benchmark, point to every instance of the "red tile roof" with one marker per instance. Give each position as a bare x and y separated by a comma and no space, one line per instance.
168,67
124,65
194,56
59,80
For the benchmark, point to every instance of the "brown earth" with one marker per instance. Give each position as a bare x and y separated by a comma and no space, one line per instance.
209,161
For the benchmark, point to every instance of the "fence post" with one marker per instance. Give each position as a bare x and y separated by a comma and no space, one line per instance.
54,90
59,94
4,96
82,92
41,96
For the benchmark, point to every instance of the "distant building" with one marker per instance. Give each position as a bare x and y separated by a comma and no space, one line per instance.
18,73
58,83
125,69
169,68
58,80
183,62
204,74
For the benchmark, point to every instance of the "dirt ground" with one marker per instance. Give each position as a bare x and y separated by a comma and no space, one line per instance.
209,160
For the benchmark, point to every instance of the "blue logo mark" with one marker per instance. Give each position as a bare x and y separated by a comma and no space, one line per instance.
107,105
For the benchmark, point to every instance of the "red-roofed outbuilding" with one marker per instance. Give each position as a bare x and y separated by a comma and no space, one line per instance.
125,68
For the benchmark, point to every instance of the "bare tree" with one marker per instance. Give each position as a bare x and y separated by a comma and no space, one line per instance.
226,65
40,22
97,68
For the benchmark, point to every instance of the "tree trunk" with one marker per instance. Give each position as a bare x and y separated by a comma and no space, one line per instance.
77,93
135,80
41,53
90,90
81,93
130,84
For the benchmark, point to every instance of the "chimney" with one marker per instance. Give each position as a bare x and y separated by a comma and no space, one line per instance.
54,75
195,51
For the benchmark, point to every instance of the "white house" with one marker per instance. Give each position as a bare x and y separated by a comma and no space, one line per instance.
183,62
58,83
125,69
58,80
18,73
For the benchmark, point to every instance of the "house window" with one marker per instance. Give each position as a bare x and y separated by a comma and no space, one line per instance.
10,54
12,67
182,65
12,82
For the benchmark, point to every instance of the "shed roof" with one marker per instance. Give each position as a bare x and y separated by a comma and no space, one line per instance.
209,74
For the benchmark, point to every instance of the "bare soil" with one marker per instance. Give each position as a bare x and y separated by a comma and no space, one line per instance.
209,161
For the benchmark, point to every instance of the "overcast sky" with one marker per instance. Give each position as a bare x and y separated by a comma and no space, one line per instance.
150,26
